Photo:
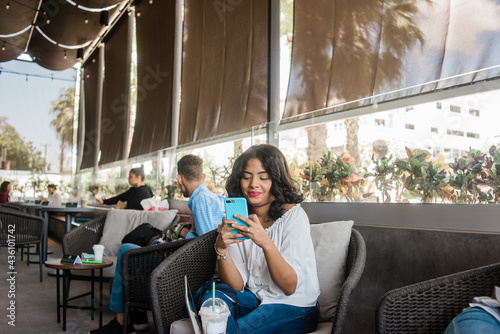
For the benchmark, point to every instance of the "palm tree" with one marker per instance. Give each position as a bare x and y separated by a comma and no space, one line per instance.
63,121
363,53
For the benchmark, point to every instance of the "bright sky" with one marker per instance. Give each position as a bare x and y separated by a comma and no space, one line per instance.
26,102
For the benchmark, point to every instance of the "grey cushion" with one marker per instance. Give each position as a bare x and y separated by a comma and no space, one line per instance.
120,222
331,242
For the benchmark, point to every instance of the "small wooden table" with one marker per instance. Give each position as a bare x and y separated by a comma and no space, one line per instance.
56,264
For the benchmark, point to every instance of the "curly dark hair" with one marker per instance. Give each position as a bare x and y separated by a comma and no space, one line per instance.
283,187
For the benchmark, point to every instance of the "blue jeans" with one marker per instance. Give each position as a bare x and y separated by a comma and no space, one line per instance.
473,320
116,302
248,316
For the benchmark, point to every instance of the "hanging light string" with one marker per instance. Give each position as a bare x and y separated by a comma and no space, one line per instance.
43,76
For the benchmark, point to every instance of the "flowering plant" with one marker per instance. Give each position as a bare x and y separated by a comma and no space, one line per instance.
333,175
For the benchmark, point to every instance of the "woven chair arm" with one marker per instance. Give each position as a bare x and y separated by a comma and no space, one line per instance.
25,227
82,238
196,260
137,265
355,265
429,306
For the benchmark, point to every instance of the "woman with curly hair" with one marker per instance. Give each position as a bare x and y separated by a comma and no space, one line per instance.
269,280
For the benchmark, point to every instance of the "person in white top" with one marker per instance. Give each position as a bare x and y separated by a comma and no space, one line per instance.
269,281
54,197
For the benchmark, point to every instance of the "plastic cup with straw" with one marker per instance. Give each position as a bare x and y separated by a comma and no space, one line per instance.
214,313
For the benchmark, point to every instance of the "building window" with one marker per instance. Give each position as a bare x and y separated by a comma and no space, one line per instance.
455,133
379,122
472,135
455,108
439,105
474,112
410,126
434,130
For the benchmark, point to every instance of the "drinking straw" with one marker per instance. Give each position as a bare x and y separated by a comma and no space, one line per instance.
213,296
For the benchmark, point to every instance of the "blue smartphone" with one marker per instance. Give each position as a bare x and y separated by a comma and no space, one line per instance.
236,205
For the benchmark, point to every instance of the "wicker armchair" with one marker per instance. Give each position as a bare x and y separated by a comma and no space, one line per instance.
137,265
82,239
355,265
197,261
21,229
10,206
429,306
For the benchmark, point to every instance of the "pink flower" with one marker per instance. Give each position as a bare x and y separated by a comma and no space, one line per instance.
349,160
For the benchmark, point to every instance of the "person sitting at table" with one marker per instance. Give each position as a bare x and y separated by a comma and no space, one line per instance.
5,192
54,197
269,280
208,210
131,199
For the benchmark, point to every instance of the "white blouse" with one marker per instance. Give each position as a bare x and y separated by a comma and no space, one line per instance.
292,236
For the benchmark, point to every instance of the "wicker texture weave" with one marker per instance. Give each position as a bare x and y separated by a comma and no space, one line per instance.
197,261
355,265
137,265
82,238
28,229
429,306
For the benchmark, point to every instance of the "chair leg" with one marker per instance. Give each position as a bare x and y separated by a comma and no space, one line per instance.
125,318
40,263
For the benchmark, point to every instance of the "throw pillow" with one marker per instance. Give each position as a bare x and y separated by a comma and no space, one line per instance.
120,222
331,241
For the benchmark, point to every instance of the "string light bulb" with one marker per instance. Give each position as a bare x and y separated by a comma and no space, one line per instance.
7,6
138,13
86,19
3,46
150,2
65,55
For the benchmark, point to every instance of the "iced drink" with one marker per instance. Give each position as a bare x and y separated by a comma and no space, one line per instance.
214,316
98,251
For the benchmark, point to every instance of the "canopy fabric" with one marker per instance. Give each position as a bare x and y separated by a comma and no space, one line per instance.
90,74
225,68
155,58
115,96
351,53
52,34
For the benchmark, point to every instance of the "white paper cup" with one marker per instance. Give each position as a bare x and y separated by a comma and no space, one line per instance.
84,201
214,318
98,251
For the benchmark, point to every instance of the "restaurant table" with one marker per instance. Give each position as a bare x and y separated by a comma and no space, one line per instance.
66,267
68,212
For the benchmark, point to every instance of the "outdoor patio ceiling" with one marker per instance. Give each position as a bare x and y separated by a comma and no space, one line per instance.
55,33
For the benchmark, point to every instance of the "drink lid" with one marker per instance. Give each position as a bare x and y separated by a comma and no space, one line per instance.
215,308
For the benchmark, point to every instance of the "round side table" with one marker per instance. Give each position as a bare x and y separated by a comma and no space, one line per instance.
65,267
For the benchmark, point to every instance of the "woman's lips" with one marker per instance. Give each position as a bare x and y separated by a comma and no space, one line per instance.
254,193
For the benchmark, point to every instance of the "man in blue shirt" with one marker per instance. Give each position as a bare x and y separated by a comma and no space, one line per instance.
207,209
205,205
